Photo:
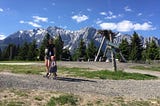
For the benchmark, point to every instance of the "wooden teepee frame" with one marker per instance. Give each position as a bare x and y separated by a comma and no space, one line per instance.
109,36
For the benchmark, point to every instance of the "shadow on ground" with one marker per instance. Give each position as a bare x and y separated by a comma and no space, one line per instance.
73,79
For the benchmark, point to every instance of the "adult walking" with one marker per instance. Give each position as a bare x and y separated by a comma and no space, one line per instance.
50,51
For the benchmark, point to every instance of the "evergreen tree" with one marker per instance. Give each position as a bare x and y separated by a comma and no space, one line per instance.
13,51
81,50
23,52
91,50
152,51
32,51
0,54
17,50
144,52
5,53
136,48
125,48
59,47
66,55
9,52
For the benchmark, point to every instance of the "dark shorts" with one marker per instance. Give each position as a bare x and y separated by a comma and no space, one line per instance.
48,57
53,69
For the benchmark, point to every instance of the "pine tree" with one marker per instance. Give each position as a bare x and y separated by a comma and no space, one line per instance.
32,51
91,50
17,50
144,52
9,52
136,48
81,50
23,52
42,46
0,54
125,48
59,47
152,51
66,55
5,53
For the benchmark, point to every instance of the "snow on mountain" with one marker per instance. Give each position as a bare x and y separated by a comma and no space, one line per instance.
71,38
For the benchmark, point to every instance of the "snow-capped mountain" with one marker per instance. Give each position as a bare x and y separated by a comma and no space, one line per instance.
71,38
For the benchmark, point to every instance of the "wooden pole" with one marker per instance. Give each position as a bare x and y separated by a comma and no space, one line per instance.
113,54
99,48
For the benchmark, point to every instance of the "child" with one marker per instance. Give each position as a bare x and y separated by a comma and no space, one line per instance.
53,67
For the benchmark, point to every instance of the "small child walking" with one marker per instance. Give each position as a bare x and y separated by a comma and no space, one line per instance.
53,68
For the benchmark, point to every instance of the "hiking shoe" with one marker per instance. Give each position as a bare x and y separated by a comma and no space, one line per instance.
46,75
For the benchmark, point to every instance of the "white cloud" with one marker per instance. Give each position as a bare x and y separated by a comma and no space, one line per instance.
30,23
88,9
2,36
80,18
127,9
34,24
103,13
144,26
139,14
1,10
110,15
22,22
111,26
38,19
126,25
98,21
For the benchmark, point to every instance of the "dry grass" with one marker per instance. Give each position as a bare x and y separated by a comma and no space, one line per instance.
14,97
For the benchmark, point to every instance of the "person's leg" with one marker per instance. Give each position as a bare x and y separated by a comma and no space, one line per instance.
54,75
47,66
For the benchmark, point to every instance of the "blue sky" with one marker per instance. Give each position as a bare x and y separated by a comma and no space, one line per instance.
124,16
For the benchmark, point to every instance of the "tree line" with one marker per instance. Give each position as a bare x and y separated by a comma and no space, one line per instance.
133,51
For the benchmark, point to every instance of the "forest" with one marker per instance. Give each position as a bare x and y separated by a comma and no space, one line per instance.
133,52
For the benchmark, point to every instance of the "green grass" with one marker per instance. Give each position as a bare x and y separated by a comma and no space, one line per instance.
19,93
104,74
62,100
23,69
11,103
131,103
38,98
151,68
76,72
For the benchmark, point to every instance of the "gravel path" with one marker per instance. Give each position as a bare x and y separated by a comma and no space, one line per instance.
111,88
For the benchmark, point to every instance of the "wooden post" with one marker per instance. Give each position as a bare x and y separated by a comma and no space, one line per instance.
113,54
99,48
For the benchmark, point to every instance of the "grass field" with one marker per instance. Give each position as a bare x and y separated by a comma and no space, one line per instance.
150,68
76,72
17,97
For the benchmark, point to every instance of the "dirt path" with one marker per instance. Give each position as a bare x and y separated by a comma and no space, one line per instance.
110,88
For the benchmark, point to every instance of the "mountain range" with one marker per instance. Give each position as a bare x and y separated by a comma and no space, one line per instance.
71,38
